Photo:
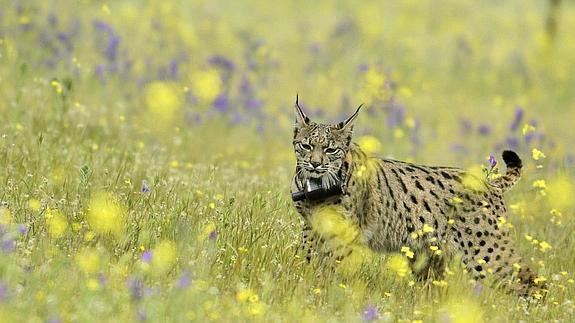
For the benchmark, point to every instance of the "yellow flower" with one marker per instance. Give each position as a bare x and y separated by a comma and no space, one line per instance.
317,291
206,85
244,295
544,246
560,192
399,265
464,311
5,216
407,251
56,223
329,221
163,100
164,257
369,144
257,309
92,284
34,204
540,183
537,154
88,260
427,229
527,128
105,215
473,179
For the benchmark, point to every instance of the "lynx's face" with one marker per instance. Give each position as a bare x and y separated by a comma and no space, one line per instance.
320,149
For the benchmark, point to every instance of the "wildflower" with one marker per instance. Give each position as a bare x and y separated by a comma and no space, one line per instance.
517,118
370,313
163,100
22,229
244,294
88,260
206,85
527,129
8,245
407,251
136,287
427,228
537,154
147,256
164,257
257,309
492,162
56,223
145,187
369,144
105,215
472,179
560,192
184,280
34,205
3,291
316,291
330,221
399,265
544,246
539,184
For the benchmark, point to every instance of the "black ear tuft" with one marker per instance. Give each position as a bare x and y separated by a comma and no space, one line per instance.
300,116
349,122
511,159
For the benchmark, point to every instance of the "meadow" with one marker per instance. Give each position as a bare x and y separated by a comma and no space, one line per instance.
146,155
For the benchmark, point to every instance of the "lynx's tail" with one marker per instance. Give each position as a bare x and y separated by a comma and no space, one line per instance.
513,164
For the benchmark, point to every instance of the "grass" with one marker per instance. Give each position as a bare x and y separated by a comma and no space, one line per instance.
99,168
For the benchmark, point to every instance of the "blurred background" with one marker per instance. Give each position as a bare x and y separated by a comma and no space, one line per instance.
442,81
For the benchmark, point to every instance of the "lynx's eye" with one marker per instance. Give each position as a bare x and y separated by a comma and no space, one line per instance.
305,147
331,151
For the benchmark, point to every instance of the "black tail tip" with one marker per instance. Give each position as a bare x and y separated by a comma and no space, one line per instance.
511,159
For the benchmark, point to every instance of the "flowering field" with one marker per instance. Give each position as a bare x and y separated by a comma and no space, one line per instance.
145,152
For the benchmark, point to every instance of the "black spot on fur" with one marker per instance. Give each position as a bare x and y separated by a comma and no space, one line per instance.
427,208
445,175
418,185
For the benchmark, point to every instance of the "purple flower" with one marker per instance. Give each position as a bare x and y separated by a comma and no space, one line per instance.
396,115
184,281
213,235
142,316
492,161
113,39
3,291
513,143
484,129
22,229
252,103
136,287
517,118
8,245
370,313
466,125
221,102
478,288
223,62
145,187
102,279
147,256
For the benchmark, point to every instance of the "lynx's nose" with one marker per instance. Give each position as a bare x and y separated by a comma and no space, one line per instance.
315,163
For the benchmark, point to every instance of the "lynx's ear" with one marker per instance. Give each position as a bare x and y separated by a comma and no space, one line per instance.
348,124
300,117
